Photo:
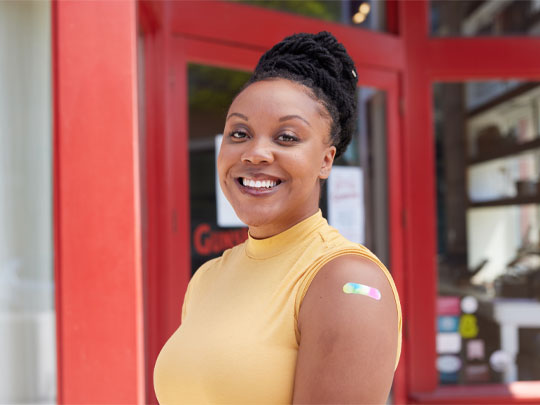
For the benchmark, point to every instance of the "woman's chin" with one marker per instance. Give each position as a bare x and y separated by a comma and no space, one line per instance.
256,218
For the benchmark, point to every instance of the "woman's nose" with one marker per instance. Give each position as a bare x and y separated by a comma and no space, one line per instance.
257,152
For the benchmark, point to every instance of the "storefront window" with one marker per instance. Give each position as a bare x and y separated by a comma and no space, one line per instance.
354,199
487,142
27,315
474,18
367,14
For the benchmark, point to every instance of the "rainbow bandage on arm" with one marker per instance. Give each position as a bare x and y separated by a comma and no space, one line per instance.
355,288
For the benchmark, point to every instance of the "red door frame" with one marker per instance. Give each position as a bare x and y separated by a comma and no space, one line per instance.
97,230
174,35
430,60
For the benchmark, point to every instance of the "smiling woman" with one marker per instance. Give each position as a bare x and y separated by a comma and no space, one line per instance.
297,313
274,134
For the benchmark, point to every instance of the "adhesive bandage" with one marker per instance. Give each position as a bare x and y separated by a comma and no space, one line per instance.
354,288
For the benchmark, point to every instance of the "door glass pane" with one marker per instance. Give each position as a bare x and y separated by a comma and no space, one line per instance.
211,91
367,14
488,215
354,199
473,18
27,315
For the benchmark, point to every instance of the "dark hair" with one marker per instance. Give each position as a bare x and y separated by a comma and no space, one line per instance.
321,63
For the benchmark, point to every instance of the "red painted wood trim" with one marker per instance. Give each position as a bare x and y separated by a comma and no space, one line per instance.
396,207
157,274
232,57
392,16
167,261
178,157
150,15
258,28
97,214
219,55
483,58
167,221
420,216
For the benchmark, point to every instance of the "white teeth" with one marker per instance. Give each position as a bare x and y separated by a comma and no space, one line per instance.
258,183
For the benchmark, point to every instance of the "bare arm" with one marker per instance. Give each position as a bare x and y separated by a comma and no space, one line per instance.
348,342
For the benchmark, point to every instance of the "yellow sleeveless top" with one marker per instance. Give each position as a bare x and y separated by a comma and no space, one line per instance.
239,340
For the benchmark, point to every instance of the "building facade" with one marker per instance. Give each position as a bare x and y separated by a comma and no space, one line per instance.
111,118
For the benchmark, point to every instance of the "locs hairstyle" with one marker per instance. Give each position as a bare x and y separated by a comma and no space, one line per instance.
321,63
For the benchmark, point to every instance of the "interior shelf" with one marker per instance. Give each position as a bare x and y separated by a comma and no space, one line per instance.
520,200
515,92
506,152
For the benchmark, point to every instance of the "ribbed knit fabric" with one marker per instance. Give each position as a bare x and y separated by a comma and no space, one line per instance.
238,341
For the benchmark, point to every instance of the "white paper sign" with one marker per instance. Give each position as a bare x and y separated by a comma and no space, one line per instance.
448,343
226,217
346,210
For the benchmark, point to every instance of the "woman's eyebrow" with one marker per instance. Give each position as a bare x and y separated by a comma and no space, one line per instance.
238,115
288,117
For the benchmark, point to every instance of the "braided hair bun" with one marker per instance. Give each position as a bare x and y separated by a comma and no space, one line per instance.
321,63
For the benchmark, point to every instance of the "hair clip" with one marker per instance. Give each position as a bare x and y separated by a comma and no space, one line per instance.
353,73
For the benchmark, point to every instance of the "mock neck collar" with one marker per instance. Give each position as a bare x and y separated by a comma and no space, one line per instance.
272,246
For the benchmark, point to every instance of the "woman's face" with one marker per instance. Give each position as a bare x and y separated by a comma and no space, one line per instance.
275,149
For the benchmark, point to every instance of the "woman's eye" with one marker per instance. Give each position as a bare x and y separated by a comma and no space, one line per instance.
287,138
238,135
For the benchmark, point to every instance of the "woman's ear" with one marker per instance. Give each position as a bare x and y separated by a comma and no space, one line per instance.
328,161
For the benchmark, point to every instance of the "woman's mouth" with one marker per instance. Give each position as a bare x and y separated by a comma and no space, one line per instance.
257,186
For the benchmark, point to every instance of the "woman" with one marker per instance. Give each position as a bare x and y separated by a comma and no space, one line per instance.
297,313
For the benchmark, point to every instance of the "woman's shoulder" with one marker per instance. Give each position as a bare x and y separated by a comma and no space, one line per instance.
351,278
348,277
349,321
353,270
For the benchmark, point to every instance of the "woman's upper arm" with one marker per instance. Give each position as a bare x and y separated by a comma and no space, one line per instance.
348,342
